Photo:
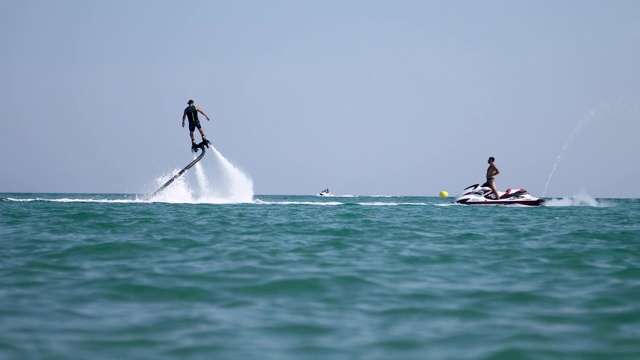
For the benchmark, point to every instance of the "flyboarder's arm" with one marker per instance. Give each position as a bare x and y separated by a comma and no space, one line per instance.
202,112
183,117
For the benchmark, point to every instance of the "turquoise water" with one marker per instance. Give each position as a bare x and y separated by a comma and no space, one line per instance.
305,277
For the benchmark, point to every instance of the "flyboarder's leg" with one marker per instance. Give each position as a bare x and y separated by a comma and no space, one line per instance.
194,146
204,138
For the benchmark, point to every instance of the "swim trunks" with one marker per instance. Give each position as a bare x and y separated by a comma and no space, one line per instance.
193,125
489,182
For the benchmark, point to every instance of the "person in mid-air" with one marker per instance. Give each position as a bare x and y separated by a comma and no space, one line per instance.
191,112
492,171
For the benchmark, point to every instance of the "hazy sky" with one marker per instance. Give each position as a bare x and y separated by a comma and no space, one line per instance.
366,97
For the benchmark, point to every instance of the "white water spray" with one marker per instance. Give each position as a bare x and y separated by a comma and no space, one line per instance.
222,184
203,182
593,114
233,185
177,192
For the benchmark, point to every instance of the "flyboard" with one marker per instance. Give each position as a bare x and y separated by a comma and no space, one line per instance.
201,146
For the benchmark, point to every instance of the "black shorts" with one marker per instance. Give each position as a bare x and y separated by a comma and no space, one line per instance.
194,124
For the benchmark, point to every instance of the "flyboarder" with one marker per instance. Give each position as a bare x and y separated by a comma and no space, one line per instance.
191,112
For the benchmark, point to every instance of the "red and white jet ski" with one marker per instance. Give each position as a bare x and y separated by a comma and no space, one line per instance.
483,195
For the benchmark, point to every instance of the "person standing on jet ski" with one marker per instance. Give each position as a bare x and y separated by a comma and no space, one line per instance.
492,171
191,112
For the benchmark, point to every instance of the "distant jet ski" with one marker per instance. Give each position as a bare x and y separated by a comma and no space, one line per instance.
483,195
325,192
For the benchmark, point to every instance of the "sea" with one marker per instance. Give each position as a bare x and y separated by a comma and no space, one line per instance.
208,270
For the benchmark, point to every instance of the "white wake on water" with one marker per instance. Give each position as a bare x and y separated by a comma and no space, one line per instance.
218,182
580,199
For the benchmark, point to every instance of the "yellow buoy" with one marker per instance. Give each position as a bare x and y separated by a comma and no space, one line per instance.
444,194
